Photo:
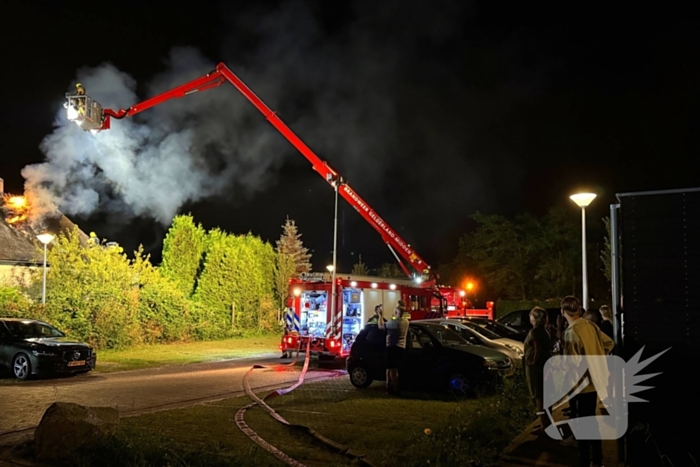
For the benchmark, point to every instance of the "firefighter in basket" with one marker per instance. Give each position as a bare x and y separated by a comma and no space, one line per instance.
79,103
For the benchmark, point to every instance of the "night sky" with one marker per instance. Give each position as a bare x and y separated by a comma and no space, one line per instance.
431,110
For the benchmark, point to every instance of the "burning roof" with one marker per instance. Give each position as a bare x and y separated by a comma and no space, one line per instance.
18,230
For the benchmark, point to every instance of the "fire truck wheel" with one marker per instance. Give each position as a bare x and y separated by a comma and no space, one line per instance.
359,377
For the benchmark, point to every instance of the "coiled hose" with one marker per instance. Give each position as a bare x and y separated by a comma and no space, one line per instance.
243,426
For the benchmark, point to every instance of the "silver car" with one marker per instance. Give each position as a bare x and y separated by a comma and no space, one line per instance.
479,335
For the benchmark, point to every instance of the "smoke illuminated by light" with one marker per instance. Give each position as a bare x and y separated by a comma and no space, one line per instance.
173,154
72,114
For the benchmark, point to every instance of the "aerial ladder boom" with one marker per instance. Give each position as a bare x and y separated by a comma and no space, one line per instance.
89,115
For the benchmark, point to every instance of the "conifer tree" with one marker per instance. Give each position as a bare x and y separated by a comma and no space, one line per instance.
360,268
290,244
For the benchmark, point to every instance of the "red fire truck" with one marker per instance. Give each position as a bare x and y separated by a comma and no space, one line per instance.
91,116
309,314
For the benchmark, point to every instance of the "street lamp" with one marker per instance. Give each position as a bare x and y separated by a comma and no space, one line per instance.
330,268
44,238
336,184
583,200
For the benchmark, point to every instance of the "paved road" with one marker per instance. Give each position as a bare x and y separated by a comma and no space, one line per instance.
22,403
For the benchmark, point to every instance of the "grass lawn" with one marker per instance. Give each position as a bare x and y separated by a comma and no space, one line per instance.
148,356
391,431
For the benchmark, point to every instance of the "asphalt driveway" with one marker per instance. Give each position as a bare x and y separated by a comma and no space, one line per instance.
22,403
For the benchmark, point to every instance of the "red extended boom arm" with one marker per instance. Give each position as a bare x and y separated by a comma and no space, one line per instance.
221,74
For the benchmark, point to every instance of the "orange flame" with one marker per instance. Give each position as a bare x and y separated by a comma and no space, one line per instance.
16,209
17,202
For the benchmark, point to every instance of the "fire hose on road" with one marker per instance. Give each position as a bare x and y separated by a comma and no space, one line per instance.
243,426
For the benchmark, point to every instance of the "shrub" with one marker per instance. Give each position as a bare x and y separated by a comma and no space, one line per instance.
14,303
476,439
92,293
164,311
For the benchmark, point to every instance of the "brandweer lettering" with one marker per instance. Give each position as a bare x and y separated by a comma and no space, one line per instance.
378,220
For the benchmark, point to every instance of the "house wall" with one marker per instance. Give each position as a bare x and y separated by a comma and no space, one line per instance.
17,275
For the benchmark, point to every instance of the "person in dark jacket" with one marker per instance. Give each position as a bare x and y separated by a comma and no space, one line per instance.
538,347
607,325
378,311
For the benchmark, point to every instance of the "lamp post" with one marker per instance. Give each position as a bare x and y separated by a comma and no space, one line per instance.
336,182
44,238
583,200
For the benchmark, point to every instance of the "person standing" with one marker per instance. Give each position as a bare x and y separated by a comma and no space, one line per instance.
378,311
582,338
607,325
396,332
537,351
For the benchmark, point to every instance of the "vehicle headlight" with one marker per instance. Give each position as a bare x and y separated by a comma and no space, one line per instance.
42,353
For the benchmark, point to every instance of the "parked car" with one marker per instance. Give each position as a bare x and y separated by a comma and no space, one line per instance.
520,319
30,347
435,356
499,328
478,335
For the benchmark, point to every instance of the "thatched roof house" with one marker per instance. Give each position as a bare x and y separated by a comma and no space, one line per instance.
15,247
19,245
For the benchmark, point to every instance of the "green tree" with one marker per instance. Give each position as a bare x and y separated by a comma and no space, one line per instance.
284,271
164,310
217,285
360,268
290,243
263,265
15,303
183,251
502,253
391,271
92,292
556,241
236,287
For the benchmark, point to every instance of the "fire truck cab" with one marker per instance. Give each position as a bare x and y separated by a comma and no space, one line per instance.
459,306
309,314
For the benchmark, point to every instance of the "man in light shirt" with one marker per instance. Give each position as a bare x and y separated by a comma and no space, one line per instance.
582,338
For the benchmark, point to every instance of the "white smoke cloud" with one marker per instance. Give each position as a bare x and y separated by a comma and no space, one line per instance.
371,98
150,165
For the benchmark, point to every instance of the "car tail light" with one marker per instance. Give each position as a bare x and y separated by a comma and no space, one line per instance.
332,344
289,340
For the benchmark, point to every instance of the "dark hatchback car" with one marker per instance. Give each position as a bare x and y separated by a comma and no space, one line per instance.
30,347
435,357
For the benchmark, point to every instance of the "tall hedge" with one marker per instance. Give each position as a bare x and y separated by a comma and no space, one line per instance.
237,280
164,310
183,251
211,285
92,292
